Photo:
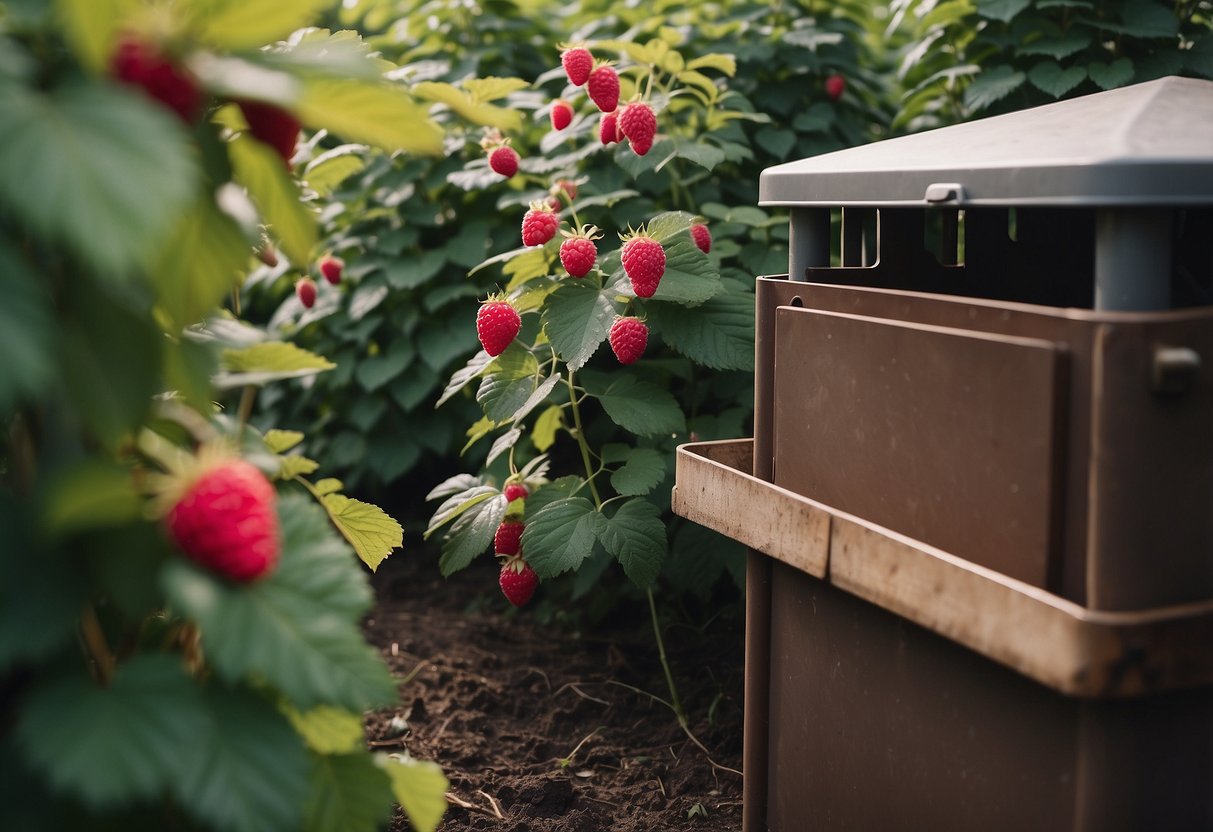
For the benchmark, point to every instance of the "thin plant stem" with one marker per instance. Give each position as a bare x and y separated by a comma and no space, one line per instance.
675,702
581,443
98,648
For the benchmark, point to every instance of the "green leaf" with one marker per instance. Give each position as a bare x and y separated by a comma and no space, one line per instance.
92,27
665,227
203,260
258,167
1004,10
550,421
471,533
1142,19
560,536
270,361
97,168
705,155
458,501
718,334
281,441
376,371
509,386
247,769
502,444
325,729
690,277
992,86
469,107
297,628
373,113
642,408
332,167
1048,77
713,60
420,789
1108,76
116,744
347,793
635,536
465,375
296,466
775,141
368,528
93,494
1073,41
643,471
492,88
234,25
577,318
411,272
26,330
817,119
328,485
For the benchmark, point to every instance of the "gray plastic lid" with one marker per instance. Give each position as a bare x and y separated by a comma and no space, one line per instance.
1148,144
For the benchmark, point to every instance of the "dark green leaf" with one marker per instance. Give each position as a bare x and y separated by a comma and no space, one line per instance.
577,318
412,388
719,334
704,155
642,472
635,536
690,277
116,744
465,374
296,628
1057,48
26,327
471,534
558,489
98,168
775,141
502,444
376,371
411,270
347,793
1049,77
1108,76
560,536
641,407
1004,10
993,85
246,770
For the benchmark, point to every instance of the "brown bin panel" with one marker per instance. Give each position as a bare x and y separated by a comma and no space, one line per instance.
1151,521
948,436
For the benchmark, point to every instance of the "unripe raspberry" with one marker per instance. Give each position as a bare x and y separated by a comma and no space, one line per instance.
639,125
702,237
628,338
603,88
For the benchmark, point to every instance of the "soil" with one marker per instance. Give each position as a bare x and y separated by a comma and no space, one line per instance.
543,728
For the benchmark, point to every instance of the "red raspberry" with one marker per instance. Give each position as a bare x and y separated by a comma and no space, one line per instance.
539,225
577,63
629,337
507,540
272,125
517,581
305,290
608,128
516,491
227,521
331,267
562,186
497,325
504,160
701,237
603,88
578,252
644,263
639,125
141,64
835,85
562,114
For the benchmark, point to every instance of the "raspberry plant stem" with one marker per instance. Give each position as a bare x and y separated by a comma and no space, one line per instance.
675,702
581,443
96,645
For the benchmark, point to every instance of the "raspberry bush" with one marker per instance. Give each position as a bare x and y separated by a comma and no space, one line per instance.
180,596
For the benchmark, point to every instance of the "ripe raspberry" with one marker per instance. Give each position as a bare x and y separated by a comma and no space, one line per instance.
629,337
272,125
507,540
608,128
305,290
517,581
562,186
331,267
504,160
227,521
643,262
577,63
603,87
639,125
141,64
497,324
562,114
702,237
835,85
516,491
539,225
578,252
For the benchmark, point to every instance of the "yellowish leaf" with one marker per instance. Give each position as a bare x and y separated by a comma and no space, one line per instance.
419,787
368,528
325,729
260,169
281,441
370,112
